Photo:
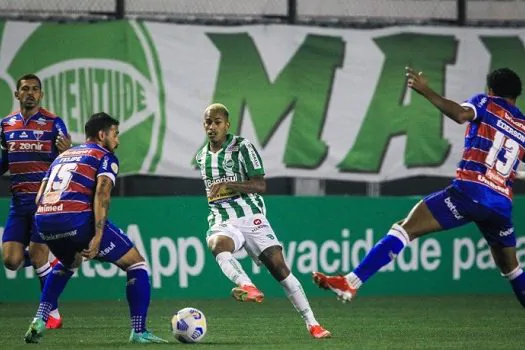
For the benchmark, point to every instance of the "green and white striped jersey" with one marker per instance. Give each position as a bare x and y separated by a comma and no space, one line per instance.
237,160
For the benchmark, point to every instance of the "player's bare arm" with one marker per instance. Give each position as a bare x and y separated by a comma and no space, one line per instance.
40,191
100,209
453,110
256,184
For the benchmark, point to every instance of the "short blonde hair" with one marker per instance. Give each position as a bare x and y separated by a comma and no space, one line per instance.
217,108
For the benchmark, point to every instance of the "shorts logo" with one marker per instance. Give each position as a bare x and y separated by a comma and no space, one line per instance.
507,232
107,250
453,209
257,221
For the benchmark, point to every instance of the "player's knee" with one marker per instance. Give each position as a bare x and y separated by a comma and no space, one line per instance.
219,244
39,254
12,262
132,257
273,259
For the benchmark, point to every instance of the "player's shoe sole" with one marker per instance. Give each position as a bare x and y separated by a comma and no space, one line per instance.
337,284
34,333
247,294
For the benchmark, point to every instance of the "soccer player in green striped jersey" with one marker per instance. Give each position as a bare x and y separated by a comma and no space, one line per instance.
233,175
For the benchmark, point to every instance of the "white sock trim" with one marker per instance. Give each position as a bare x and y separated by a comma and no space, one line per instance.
43,270
513,274
400,233
140,265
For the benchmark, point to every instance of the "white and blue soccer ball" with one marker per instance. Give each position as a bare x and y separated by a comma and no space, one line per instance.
188,325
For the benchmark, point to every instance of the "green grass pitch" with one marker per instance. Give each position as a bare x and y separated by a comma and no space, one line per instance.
452,322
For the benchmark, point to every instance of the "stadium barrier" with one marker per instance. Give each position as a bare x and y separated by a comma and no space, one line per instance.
329,234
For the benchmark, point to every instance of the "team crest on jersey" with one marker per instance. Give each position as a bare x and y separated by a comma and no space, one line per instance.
38,134
227,164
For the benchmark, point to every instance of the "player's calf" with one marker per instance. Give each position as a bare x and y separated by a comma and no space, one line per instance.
517,281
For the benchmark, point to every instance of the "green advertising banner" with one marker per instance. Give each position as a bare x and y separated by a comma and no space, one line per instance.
329,234
316,102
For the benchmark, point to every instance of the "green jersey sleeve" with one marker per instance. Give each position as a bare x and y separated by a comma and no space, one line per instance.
251,160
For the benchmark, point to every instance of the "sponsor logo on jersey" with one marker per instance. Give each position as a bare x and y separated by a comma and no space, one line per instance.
25,146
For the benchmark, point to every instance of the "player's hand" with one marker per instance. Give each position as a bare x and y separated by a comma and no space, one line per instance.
63,143
416,80
93,248
217,188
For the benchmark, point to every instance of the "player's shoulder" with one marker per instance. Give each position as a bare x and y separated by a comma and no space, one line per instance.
10,117
243,142
478,100
48,114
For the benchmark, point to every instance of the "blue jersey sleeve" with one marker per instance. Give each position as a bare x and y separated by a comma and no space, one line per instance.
108,167
59,128
478,103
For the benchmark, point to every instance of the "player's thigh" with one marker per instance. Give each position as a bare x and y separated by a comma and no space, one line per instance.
38,253
259,236
438,211
224,237
17,228
114,245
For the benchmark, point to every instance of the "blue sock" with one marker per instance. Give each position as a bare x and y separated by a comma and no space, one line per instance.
43,272
382,253
138,292
517,281
54,286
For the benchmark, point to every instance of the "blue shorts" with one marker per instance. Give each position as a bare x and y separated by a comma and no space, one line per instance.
64,245
452,208
20,225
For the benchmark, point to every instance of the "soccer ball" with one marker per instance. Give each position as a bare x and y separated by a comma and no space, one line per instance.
188,325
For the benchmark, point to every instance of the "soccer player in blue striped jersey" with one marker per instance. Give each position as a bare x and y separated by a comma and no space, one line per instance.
31,139
480,193
233,175
73,205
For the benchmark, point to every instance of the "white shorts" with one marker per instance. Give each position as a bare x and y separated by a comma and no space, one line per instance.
252,233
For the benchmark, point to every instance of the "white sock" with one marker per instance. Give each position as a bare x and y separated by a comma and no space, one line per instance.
232,269
295,293
354,281
54,313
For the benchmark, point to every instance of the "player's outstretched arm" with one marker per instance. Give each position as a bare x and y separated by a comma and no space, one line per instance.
451,109
100,210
